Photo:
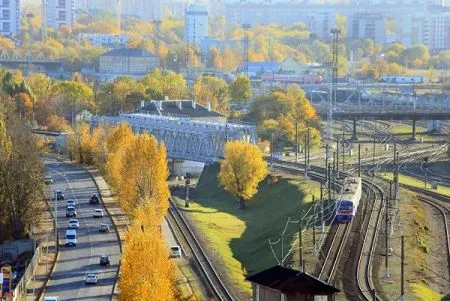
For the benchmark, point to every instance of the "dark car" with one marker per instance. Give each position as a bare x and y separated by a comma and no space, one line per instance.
94,199
59,194
105,260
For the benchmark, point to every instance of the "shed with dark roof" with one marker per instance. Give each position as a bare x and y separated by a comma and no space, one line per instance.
285,284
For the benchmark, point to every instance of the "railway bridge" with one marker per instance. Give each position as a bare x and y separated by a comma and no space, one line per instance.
186,139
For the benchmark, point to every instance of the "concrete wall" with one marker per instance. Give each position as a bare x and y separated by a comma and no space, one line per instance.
14,249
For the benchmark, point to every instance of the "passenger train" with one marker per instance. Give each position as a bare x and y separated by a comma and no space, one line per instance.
348,202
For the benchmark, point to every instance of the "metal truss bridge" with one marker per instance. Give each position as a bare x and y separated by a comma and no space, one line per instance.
185,139
15,58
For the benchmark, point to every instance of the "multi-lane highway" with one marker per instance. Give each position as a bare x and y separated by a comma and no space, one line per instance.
68,278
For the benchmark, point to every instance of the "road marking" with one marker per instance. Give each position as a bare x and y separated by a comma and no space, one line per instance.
84,220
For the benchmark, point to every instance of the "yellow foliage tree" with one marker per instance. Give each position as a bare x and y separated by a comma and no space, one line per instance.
242,170
117,140
143,173
146,271
80,144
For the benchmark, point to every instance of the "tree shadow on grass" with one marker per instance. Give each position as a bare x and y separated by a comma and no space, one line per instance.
265,217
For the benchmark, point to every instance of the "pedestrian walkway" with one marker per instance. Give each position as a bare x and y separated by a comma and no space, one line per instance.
45,237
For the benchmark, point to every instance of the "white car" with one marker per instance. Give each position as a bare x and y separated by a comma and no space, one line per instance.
175,252
98,213
71,202
73,224
91,278
51,298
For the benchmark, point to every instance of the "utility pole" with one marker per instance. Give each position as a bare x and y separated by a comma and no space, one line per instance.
306,156
386,262
359,160
343,151
314,224
329,183
271,151
300,241
396,185
402,283
337,155
309,146
296,142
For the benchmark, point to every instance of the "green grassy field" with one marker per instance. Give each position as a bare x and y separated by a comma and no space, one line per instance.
240,237
404,179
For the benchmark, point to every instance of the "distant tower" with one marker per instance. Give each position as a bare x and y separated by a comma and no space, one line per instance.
246,44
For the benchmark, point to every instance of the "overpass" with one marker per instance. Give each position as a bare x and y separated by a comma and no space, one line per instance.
387,107
185,139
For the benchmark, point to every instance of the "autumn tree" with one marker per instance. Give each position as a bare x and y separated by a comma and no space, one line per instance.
80,144
242,169
213,90
240,89
146,255
21,185
144,173
118,139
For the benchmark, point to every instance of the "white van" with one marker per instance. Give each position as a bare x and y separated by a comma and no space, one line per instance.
71,238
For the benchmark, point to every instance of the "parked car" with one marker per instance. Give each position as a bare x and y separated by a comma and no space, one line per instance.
71,202
73,224
48,180
71,211
175,252
91,278
94,199
105,260
59,194
104,228
98,213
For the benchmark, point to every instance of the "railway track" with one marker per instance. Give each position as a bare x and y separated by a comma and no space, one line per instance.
367,246
211,277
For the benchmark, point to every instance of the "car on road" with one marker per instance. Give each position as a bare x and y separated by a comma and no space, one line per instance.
175,252
71,238
71,202
104,228
94,199
48,180
91,278
59,194
98,213
105,260
71,211
51,298
73,224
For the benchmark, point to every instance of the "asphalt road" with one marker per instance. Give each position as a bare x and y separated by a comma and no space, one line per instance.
67,279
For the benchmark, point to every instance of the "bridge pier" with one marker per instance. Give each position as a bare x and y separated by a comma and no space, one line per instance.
414,129
354,135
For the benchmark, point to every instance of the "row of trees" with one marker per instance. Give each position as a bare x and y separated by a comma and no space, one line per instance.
136,167
21,180
53,103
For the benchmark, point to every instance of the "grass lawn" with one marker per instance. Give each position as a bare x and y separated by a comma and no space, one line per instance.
240,237
404,179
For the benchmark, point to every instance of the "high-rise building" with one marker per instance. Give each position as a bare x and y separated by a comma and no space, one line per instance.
367,26
436,29
147,10
58,12
195,23
320,25
10,17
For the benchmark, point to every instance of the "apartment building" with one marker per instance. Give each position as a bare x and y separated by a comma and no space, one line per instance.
9,17
58,12
195,23
367,26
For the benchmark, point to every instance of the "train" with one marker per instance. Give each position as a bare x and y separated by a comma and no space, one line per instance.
347,204
394,79
291,78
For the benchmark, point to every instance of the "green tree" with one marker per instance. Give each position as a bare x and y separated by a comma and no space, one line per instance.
240,89
73,97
